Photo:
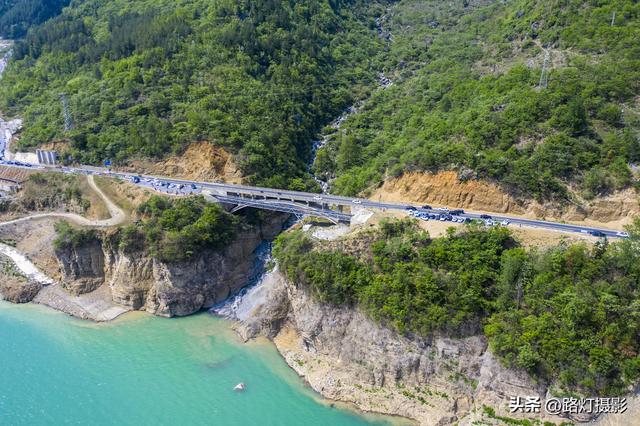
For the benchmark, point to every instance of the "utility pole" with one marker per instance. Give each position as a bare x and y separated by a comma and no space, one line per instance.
68,123
613,18
544,75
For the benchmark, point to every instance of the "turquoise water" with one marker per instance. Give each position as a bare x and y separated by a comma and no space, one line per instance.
145,370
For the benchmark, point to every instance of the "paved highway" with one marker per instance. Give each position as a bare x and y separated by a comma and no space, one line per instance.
305,203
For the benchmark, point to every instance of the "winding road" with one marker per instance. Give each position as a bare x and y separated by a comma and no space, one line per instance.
27,267
117,215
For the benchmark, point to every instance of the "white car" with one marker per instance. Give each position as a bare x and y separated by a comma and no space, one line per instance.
317,198
356,202
505,222
489,222
622,234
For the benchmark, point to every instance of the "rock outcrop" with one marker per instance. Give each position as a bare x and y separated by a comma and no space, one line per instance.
17,290
140,281
82,267
346,356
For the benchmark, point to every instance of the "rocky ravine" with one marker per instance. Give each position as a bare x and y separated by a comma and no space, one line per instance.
141,282
347,357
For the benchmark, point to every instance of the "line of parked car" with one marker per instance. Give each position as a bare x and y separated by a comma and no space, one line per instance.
15,163
426,212
443,217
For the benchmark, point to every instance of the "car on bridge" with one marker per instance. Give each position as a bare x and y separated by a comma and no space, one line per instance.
597,233
485,216
622,234
456,212
427,207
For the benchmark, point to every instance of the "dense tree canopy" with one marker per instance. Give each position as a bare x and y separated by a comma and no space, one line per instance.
175,230
468,96
145,78
17,16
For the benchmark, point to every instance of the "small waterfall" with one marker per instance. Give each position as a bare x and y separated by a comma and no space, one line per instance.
335,125
24,265
238,305
5,60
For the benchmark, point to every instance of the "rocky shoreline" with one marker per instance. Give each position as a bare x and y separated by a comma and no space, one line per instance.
346,357
338,351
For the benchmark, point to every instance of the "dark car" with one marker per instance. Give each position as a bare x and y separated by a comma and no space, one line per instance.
597,233
410,208
456,212
485,216
467,220
427,207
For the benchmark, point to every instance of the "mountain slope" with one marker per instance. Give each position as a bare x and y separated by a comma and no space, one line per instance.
470,95
17,16
146,78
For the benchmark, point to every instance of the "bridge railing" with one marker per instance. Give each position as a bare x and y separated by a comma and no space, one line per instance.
285,207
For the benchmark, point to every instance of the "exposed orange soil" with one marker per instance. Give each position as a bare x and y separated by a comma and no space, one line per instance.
200,161
445,189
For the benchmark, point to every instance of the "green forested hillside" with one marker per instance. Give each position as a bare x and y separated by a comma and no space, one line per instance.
17,16
145,78
468,97
569,315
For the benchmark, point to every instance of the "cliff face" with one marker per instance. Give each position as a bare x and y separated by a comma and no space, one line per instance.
82,267
139,281
347,357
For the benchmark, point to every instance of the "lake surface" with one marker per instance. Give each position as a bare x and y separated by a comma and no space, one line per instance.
141,370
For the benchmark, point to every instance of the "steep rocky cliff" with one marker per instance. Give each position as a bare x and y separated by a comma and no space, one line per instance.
82,267
140,281
347,357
